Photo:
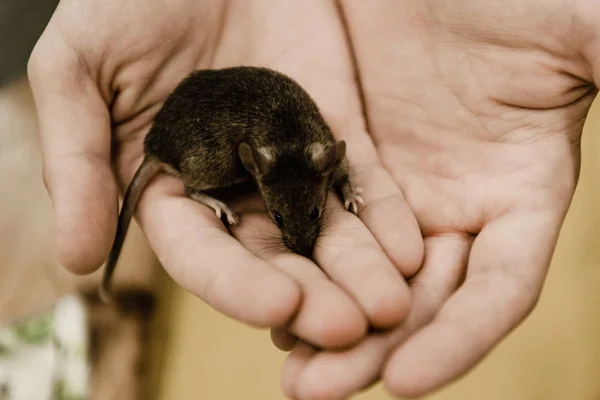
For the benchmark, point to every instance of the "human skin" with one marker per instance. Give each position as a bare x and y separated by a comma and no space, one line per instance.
472,116
108,65
476,108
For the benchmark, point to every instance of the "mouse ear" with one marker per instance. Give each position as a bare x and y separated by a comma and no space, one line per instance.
256,162
326,157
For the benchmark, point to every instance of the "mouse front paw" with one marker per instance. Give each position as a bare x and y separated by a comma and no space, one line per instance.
352,198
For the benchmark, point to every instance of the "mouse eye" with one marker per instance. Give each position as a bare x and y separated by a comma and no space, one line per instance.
278,219
314,214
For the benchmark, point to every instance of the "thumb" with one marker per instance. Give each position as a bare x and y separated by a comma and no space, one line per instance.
76,149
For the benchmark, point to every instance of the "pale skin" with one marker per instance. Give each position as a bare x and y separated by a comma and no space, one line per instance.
103,61
477,109
466,147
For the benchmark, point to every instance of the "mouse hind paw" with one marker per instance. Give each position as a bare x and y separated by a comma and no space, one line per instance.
218,206
232,217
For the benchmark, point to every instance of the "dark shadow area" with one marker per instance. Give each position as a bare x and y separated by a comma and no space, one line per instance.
21,24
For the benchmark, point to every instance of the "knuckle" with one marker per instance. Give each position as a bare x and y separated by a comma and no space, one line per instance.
51,55
34,63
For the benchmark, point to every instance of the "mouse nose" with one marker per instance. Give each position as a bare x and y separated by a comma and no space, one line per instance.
303,247
305,250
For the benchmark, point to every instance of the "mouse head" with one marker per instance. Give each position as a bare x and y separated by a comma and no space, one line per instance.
294,186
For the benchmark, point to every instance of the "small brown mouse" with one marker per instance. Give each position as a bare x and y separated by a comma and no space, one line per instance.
221,127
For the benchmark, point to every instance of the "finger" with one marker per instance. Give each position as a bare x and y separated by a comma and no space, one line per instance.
282,339
293,366
328,317
76,139
200,255
340,374
353,259
337,375
508,263
389,218
385,211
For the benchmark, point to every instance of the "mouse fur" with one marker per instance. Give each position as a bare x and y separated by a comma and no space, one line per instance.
221,127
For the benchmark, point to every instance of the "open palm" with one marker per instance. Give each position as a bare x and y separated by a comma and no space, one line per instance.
99,74
476,109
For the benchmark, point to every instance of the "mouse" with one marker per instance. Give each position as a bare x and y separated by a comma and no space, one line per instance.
221,127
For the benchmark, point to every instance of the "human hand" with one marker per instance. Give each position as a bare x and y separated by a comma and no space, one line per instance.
476,108
103,65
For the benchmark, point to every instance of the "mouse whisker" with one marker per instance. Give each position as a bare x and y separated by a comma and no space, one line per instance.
268,243
273,249
334,231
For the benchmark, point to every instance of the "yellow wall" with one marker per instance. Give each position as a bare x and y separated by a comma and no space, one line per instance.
555,354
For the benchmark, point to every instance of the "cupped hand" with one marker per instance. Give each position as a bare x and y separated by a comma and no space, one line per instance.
476,108
99,74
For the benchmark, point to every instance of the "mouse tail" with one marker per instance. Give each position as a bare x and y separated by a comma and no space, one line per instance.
149,167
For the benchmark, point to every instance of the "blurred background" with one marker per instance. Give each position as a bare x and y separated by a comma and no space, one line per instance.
160,343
